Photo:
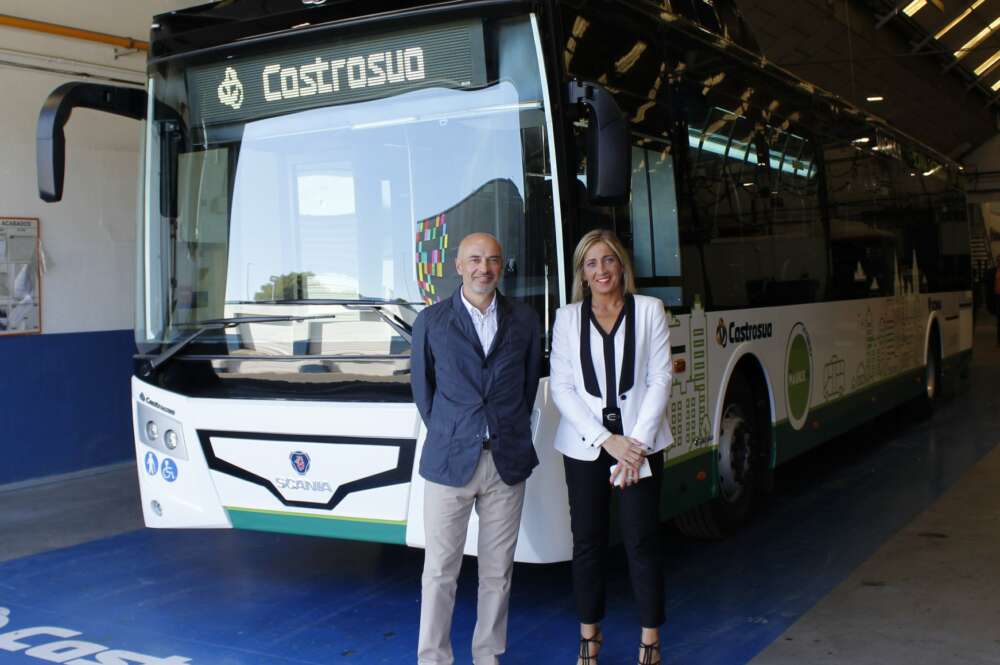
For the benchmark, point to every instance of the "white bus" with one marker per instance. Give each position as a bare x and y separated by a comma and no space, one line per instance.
310,167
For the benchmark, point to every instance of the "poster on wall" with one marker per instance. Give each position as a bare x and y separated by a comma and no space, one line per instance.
20,278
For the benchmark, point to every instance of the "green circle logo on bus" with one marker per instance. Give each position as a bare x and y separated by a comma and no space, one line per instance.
798,375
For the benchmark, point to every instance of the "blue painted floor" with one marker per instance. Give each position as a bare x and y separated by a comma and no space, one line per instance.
242,598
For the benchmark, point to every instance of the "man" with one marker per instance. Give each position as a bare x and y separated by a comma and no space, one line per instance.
475,368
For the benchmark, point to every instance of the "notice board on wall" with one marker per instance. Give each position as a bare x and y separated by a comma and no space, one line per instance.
20,276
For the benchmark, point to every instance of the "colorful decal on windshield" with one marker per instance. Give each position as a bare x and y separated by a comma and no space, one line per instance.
432,244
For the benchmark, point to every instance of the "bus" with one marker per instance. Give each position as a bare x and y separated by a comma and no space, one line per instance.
310,167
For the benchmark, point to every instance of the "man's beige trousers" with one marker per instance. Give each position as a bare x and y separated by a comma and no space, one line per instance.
446,521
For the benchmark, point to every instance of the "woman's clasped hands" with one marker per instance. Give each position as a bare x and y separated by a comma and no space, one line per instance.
630,454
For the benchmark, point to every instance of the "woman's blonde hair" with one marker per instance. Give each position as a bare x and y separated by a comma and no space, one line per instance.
580,288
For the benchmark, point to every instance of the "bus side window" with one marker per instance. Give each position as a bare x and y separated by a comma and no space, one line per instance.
654,228
930,226
721,186
794,238
863,251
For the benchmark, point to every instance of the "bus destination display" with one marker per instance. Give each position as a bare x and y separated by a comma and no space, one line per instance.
351,70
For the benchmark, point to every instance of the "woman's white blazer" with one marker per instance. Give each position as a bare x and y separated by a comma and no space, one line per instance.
643,398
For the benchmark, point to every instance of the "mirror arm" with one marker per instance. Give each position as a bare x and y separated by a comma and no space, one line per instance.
608,145
50,138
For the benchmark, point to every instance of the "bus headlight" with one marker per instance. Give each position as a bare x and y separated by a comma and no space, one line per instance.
160,431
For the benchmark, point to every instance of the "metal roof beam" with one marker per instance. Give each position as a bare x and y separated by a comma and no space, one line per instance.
903,5
964,14
892,14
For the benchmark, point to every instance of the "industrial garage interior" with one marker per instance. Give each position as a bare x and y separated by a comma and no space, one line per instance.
224,223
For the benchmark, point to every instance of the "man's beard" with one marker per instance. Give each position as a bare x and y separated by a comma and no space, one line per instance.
481,289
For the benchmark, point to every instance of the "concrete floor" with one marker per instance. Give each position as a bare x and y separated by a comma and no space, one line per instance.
931,593
880,546
63,511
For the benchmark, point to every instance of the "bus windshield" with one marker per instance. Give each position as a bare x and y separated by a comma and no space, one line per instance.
329,208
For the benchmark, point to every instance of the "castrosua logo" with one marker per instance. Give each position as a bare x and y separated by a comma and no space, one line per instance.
155,404
231,90
798,375
62,648
744,332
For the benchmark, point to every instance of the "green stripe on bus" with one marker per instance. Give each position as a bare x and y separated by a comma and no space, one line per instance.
841,415
681,459
688,481
381,531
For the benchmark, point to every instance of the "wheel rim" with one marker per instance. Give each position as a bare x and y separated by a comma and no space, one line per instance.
735,446
930,376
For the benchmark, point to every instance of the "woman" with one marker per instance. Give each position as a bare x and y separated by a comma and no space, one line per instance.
610,379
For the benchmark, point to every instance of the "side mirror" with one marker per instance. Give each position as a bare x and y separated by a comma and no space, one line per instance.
50,141
609,153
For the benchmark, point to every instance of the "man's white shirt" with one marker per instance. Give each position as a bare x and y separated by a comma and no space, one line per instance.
486,327
485,324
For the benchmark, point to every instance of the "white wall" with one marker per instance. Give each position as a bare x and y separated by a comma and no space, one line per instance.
89,238
123,18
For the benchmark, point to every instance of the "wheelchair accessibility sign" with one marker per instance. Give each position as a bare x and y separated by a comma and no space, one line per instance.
168,470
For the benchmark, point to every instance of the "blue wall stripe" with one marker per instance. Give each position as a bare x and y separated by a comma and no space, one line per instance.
65,402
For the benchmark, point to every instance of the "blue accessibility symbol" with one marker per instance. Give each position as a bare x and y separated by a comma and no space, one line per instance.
152,464
169,470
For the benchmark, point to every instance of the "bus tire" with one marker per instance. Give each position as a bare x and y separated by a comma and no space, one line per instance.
930,396
739,457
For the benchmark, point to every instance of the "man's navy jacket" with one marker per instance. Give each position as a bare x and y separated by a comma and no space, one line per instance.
459,390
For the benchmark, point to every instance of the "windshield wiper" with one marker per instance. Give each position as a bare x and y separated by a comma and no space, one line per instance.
202,327
329,301
402,328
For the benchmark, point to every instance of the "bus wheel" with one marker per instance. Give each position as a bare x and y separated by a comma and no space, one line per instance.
932,378
738,459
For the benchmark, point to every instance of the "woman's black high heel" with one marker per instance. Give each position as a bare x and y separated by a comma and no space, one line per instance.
647,653
585,642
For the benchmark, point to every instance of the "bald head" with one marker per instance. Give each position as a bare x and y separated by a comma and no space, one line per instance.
476,241
479,260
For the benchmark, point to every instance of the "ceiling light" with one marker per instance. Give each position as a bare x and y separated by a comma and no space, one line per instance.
875,98
996,86
628,60
863,139
977,40
992,60
914,7
958,19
